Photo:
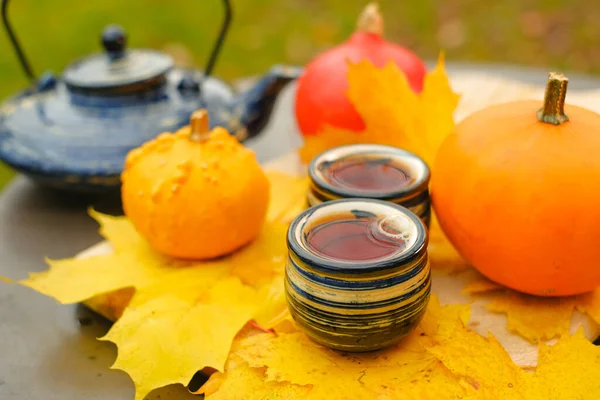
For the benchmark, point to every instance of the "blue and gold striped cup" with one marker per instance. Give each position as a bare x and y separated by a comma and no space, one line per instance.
357,171
353,303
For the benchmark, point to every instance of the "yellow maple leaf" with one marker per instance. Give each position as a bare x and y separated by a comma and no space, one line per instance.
392,112
274,310
186,284
73,280
439,320
534,318
111,305
177,317
437,105
286,196
483,366
296,208
434,383
288,362
249,383
569,369
261,262
118,231
465,365
166,340
295,359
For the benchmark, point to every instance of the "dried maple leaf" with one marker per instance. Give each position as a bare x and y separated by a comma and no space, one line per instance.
392,112
292,359
569,369
439,320
179,316
274,310
534,318
434,383
167,340
74,280
119,232
286,195
296,208
441,360
483,366
249,383
272,254
437,105
288,358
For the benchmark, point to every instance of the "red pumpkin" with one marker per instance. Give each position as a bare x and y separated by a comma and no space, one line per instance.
321,94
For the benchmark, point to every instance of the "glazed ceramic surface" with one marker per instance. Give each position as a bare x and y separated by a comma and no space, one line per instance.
414,195
67,139
79,142
357,306
73,132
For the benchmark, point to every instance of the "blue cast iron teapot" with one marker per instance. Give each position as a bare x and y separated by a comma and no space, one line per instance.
73,132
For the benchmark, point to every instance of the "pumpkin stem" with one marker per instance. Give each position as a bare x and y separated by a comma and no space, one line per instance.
553,110
370,20
200,130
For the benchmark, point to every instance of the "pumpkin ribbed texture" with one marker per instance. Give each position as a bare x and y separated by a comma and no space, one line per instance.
518,197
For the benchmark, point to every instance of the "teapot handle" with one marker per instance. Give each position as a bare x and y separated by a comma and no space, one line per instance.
29,71
220,39
15,42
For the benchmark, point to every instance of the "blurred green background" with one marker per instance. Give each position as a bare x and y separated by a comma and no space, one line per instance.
558,33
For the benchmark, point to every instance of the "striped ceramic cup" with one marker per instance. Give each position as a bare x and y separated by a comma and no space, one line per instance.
357,276
371,171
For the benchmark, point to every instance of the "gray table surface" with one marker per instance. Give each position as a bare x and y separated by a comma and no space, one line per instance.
49,351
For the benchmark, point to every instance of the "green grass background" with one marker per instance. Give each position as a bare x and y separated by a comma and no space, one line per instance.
546,33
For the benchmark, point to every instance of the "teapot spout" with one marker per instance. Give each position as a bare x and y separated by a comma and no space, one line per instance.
251,110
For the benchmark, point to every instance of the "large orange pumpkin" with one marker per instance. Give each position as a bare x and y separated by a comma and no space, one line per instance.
516,190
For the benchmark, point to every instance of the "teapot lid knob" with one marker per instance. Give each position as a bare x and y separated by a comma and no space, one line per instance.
117,70
114,40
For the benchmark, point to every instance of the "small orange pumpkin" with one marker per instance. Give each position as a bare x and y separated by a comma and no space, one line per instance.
196,193
516,191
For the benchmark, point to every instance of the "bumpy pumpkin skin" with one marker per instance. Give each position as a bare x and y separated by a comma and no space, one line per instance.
195,200
520,199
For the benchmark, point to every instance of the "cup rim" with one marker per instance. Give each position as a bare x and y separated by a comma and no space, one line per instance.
320,263
340,152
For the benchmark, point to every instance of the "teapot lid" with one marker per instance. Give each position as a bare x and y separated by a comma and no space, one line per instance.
117,70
